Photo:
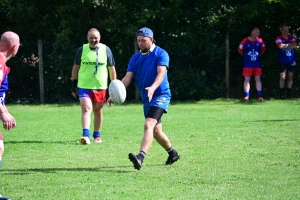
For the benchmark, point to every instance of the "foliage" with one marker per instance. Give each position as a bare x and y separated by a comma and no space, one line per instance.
193,33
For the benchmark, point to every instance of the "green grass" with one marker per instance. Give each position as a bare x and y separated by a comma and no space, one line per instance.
229,150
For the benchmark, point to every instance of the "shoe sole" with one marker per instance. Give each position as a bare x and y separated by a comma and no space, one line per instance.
174,160
134,160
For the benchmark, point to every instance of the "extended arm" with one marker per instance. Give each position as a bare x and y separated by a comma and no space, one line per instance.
127,79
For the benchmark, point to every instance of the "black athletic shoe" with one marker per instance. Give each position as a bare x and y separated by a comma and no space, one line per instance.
137,163
172,158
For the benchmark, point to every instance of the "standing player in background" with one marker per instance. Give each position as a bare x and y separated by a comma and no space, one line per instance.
9,46
251,48
286,44
149,69
93,62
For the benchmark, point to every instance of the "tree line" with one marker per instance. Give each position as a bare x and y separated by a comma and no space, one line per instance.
192,31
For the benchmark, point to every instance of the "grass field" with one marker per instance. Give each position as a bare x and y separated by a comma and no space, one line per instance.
229,150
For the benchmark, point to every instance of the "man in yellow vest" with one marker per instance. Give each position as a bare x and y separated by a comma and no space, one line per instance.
92,65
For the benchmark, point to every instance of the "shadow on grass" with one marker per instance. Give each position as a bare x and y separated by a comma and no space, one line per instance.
278,120
41,142
256,101
111,169
250,102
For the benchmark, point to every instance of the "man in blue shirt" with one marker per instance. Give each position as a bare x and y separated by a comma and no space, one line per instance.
149,68
251,48
286,44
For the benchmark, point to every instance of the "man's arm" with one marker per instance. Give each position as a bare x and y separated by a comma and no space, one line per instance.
112,72
127,79
291,45
75,69
74,79
8,120
241,47
287,46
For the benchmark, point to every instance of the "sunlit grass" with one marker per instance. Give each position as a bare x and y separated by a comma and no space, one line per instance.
229,150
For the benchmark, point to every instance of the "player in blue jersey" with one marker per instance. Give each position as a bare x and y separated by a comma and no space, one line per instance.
9,46
149,69
251,48
286,44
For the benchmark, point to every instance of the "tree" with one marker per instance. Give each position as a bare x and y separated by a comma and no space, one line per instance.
193,33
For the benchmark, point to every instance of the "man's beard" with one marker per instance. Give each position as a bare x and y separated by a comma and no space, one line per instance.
145,50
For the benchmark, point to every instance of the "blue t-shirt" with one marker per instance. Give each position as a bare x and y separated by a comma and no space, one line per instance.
144,67
251,50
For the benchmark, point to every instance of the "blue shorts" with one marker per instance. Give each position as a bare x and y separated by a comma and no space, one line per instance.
157,101
97,96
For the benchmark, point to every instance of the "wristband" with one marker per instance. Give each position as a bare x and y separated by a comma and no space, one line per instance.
74,85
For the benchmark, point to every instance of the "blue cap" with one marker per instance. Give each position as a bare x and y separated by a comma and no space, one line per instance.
146,32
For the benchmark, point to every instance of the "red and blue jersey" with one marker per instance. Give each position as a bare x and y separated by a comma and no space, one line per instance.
286,56
252,50
4,70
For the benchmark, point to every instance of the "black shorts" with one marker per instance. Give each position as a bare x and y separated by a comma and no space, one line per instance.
287,67
155,113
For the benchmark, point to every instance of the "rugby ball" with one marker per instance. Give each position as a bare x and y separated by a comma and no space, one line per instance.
117,91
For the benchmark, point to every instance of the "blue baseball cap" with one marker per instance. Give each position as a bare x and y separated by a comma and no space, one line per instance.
146,32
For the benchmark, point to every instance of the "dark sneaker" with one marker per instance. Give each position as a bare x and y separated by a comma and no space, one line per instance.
137,163
172,158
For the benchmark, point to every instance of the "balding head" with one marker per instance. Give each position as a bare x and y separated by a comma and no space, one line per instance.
93,37
9,43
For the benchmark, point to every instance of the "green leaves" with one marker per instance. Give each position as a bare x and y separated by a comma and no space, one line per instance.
193,33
